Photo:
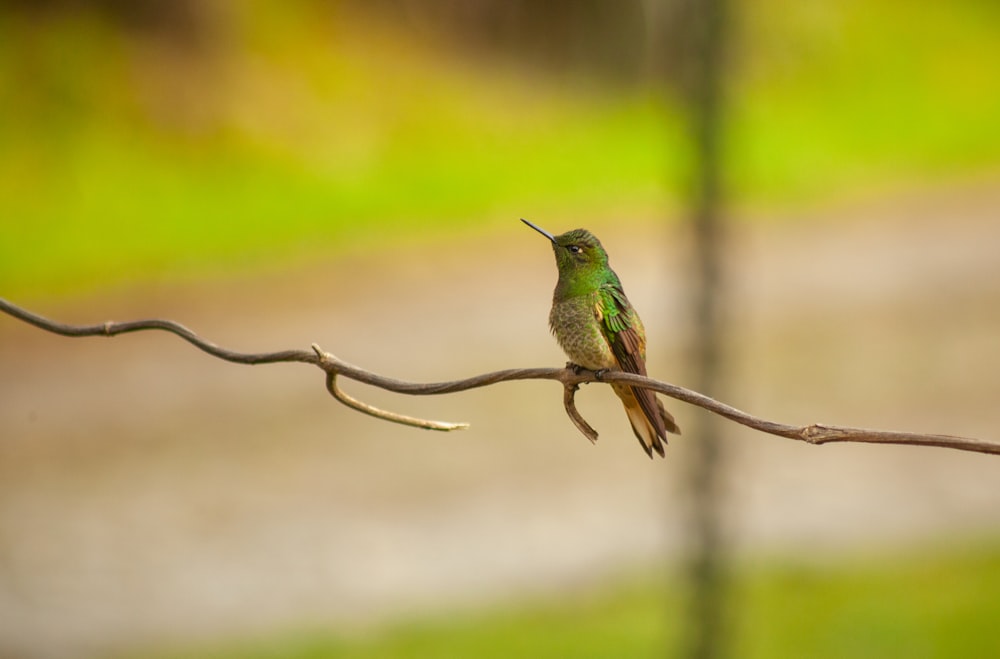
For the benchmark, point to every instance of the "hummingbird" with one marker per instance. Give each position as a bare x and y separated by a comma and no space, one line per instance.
598,329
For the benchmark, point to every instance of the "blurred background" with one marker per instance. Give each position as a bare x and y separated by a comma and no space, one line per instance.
352,174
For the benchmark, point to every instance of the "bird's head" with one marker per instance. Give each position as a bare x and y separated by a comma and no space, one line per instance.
578,252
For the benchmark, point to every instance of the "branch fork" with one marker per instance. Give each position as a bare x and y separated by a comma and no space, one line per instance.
331,364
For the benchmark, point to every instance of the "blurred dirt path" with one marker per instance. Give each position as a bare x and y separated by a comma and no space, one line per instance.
150,492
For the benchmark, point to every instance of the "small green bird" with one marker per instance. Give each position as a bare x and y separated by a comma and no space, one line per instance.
599,330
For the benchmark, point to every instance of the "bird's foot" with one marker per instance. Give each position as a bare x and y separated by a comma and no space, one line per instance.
577,370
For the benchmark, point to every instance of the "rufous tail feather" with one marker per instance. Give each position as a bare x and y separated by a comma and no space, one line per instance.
644,429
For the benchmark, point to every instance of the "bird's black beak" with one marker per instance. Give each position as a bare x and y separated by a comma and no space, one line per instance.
539,230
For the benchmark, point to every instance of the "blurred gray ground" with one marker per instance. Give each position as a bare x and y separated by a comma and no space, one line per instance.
148,491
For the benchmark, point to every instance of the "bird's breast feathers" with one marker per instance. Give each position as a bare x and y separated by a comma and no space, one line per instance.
577,324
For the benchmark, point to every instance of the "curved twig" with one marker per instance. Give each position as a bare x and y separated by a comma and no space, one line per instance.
371,410
569,377
569,402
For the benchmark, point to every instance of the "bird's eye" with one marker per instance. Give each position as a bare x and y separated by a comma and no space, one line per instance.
574,249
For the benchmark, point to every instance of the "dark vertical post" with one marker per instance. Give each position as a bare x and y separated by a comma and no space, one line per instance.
706,69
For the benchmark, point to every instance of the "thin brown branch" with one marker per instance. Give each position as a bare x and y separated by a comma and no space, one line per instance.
569,402
570,379
371,410
113,328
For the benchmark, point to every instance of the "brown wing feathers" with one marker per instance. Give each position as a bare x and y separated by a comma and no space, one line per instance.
628,352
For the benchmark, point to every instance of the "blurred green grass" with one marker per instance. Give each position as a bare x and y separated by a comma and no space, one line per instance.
925,603
309,130
849,96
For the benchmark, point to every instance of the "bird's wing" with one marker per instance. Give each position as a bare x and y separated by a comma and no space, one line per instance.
627,339
622,328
